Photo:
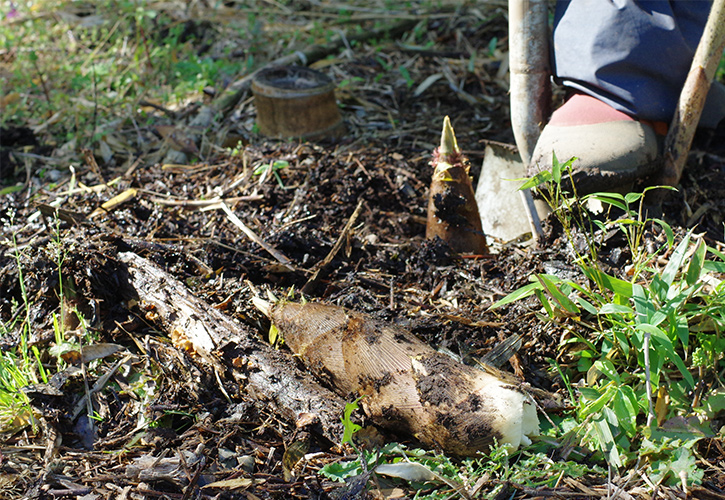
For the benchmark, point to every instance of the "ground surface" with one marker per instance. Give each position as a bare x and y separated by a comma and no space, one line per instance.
385,266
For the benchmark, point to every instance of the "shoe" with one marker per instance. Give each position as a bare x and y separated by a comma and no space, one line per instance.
613,149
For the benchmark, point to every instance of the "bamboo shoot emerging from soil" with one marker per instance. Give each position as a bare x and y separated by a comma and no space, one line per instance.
452,210
407,386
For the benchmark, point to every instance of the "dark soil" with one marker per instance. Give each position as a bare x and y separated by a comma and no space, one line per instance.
162,402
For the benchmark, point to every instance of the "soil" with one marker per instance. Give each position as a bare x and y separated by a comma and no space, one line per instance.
162,403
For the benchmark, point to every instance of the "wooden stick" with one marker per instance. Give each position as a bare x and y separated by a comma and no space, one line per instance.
692,98
529,67
283,259
201,204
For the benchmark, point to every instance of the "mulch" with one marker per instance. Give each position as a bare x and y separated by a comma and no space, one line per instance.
167,426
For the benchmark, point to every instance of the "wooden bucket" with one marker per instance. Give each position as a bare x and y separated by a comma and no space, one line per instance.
296,102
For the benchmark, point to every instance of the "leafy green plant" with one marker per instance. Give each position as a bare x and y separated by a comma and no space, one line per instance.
21,366
409,82
349,426
274,167
15,411
632,335
435,476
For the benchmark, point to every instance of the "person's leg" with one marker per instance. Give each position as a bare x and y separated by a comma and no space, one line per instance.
632,55
626,60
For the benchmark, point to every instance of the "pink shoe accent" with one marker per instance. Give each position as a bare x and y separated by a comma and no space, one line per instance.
582,109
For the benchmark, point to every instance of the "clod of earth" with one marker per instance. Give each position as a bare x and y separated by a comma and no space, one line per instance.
406,385
452,210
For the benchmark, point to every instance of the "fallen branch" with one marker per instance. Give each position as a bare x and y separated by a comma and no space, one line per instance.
197,204
267,374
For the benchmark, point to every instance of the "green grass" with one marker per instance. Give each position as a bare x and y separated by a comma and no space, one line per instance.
15,410
83,73
21,366
646,346
643,363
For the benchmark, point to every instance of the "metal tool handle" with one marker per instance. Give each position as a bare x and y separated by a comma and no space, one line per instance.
530,84
530,74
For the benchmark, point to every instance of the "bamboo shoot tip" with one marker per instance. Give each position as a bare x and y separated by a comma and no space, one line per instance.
449,144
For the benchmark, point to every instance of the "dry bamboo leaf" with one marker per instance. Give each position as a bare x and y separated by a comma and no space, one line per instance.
231,484
178,139
425,84
8,99
410,471
90,353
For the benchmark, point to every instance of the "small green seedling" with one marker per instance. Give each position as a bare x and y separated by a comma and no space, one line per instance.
349,426
274,166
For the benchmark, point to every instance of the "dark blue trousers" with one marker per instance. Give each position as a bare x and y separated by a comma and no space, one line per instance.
632,54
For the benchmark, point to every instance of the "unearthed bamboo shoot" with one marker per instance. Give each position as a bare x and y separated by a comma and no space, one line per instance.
407,386
452,210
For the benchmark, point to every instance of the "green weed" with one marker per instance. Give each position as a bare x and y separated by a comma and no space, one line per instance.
21,366
638,339
435,477
349,426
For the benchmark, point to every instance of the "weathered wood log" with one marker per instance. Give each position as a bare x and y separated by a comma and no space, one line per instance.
270,375
406,385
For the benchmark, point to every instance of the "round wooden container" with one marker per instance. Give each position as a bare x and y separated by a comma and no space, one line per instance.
294,101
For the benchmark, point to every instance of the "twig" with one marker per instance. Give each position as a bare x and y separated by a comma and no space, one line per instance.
325,263
43,84
204,203
366,15
100,383
166,111
253,236
192,486
46,159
